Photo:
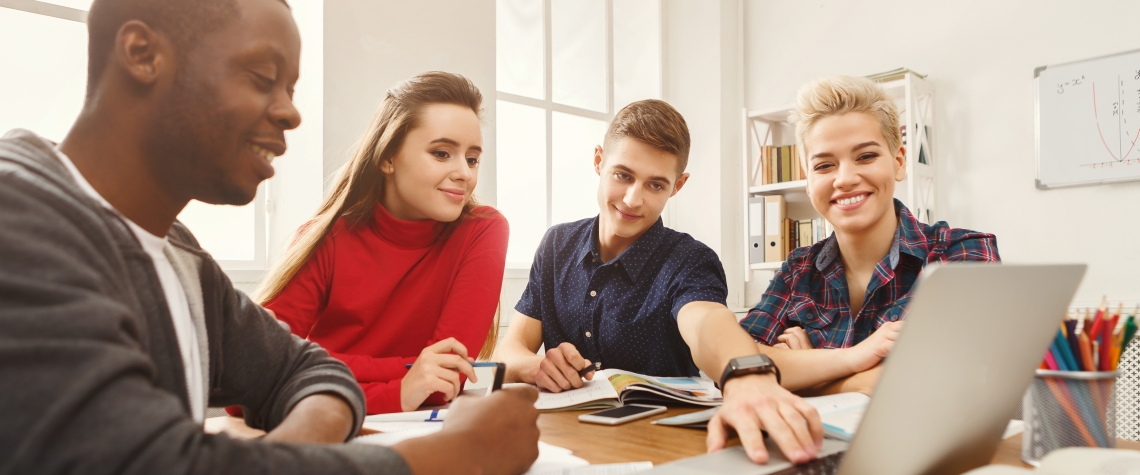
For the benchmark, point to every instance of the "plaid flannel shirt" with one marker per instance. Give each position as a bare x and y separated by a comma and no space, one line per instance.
810,289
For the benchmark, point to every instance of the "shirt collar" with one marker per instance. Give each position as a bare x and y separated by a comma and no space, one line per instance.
151,243
908,239
632,259
405,234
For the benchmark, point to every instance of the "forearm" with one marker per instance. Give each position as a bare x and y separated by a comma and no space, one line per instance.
862,382
317,419
521,362
719,339
801,369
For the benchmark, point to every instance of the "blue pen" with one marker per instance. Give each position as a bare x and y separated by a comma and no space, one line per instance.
477,364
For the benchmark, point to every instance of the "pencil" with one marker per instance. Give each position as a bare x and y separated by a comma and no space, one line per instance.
1086,353
1066,404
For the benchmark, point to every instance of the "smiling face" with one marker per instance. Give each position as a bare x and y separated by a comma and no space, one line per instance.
636,181
434,173
851,172
223,118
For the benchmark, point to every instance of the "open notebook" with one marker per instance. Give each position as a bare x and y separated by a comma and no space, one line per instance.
613,387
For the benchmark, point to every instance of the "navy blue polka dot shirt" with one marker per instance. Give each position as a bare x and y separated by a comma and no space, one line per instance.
623,313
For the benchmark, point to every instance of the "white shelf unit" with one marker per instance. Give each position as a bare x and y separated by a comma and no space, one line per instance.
915,99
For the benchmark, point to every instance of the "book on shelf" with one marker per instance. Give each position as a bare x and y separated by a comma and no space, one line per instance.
614,388
780,164
800,233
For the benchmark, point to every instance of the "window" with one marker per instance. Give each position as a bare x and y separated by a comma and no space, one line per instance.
43,89
564,67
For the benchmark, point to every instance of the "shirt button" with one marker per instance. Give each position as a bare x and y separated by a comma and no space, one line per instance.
593,293
588,335
593,259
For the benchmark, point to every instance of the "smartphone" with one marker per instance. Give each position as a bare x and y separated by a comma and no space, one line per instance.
621,415
500,370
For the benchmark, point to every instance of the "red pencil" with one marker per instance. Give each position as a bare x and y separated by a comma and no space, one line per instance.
1098,321
1106,338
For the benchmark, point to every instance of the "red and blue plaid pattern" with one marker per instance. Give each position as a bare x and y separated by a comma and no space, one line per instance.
810,289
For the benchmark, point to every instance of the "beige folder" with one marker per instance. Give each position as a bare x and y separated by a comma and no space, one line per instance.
774,213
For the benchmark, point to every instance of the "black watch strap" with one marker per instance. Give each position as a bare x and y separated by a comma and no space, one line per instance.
755,364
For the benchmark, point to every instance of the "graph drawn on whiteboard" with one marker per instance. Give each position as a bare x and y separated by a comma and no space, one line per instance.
1088,121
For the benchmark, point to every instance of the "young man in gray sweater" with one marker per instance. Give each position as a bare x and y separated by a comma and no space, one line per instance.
117,330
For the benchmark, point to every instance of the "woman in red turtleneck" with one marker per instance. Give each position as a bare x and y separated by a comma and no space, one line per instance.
400,265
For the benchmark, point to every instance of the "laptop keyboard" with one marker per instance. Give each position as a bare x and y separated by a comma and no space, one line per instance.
828,465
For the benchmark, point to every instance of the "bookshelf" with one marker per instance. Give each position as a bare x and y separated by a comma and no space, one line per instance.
763,128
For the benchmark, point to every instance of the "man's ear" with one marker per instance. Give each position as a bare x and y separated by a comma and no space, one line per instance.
143,53
900,161
598,152
680,182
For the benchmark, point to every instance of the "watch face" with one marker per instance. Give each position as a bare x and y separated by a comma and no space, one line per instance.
752,361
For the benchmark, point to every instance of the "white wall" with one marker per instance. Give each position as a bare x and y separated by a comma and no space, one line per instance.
702,82
980,57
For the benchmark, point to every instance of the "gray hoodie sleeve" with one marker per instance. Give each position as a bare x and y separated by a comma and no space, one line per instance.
78,389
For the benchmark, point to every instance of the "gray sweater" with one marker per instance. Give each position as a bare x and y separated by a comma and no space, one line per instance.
91,378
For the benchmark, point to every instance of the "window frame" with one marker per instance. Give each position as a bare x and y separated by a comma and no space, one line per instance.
246,271
549,107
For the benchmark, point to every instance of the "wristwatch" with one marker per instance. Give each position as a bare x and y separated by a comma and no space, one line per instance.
755,364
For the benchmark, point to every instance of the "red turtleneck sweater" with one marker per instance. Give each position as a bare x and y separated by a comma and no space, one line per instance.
375,296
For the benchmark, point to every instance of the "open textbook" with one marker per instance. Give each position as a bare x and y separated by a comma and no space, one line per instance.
840,414
613,387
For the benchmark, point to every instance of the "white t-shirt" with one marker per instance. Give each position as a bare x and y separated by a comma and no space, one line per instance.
175,297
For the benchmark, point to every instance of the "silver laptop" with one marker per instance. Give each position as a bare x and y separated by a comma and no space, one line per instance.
973,336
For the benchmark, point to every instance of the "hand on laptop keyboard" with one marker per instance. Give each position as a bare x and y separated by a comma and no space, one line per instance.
756,402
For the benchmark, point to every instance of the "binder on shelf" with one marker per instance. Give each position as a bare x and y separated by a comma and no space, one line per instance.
755,229
774,214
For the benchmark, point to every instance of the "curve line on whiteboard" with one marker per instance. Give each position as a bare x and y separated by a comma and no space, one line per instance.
1097,117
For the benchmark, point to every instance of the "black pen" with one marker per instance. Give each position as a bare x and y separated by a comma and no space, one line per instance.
587,370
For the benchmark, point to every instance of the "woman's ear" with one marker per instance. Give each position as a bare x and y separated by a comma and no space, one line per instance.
387,167
900,164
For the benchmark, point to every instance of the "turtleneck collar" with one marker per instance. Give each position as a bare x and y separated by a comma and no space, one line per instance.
405,234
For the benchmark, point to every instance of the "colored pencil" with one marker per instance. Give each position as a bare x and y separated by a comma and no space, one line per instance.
1086,353
1066,404
1050,362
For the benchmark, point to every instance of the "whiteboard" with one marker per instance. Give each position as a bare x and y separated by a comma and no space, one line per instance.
1088,121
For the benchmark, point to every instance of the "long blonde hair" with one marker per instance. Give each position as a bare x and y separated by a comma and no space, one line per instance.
360,183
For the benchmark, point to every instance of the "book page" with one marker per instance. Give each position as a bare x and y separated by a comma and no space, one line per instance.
595,390
837,402
685,387
840,413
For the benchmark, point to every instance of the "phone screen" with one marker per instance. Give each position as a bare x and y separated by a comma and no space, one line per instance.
620,412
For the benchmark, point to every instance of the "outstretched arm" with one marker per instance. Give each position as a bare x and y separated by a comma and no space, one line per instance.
753,402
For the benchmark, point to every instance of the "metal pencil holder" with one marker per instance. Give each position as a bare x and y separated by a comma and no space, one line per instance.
1068,409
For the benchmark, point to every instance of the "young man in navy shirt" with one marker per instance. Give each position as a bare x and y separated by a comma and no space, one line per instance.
621,290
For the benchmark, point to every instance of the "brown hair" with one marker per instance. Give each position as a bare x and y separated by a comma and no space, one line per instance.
657,124
360,183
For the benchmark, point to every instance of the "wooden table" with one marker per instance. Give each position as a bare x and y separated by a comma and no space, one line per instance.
633,442
640,440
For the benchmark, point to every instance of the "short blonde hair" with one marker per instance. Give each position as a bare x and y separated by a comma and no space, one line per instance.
839,95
